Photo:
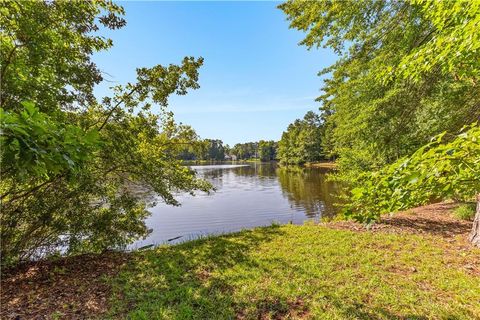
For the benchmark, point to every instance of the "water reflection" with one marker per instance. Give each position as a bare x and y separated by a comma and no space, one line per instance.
246,196
308,189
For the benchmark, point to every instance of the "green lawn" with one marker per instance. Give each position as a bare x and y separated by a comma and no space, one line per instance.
301,272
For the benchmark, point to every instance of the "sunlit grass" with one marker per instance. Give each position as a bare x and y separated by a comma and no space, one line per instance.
300,272
465,211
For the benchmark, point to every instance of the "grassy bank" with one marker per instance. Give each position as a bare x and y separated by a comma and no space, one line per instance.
278,272
301,272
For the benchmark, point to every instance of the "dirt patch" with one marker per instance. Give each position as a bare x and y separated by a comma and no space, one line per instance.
298,309
70,288
275,309
203,275
435,219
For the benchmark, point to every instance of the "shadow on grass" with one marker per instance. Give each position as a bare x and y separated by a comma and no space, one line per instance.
213,278
176,282
193,281
276,307
446,229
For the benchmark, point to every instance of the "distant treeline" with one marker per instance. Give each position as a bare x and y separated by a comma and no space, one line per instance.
215,150
206,149
262,150
304,141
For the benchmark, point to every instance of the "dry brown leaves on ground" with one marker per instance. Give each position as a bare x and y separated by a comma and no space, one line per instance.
435,219
70,288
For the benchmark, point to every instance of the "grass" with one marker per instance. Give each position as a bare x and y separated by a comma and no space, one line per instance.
465,211
300,272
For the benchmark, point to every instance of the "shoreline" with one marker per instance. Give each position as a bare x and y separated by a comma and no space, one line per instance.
413,241
323,165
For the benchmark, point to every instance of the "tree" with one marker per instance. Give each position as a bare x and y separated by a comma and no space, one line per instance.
475,234
246,150
407,71
442,169
215,150
75,171
263,150
46,49
267,150
227,149
192,146
302,142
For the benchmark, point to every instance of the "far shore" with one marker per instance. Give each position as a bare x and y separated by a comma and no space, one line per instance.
325,165
321,164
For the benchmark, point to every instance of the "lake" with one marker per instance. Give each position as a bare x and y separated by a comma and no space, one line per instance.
246,196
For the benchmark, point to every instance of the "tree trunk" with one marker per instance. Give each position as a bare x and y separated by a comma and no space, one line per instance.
475,234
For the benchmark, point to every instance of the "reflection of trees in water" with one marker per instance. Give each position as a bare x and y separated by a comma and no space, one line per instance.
303,187
309,189
212,174
260,170
253,171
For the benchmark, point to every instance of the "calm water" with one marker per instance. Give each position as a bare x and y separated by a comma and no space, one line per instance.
247,196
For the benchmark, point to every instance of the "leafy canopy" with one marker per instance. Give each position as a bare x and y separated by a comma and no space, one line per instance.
438,170
79,174
302,142
407,71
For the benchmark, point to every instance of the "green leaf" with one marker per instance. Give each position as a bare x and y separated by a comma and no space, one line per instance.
30,107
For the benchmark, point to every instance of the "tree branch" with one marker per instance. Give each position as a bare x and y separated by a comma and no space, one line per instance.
116,106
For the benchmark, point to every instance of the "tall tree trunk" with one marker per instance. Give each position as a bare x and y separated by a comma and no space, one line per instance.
475,234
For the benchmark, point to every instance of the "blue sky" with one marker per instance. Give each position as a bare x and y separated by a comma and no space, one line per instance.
255,79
